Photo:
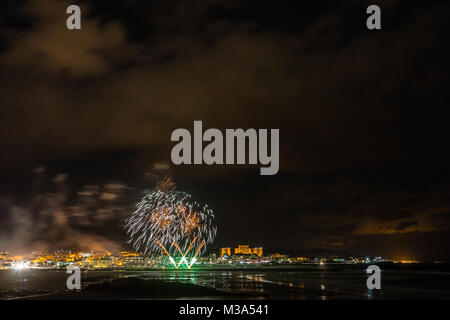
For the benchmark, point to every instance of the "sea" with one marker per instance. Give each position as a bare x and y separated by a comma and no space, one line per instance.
293,282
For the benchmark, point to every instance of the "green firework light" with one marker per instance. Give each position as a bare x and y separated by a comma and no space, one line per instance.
168,222
184,258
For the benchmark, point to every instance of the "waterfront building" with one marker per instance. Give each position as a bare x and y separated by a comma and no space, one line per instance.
245,249
225,251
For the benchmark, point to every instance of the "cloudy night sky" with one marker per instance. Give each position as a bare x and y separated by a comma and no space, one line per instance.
86,118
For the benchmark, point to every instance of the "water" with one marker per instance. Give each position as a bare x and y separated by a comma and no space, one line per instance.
318,282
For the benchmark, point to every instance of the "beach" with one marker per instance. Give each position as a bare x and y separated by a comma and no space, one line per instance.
303,282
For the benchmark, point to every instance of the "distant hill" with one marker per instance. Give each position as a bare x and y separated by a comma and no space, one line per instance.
315,252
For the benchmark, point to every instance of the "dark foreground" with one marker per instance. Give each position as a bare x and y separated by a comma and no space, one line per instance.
305,282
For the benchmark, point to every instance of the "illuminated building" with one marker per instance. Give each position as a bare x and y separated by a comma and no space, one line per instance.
131,259
245,249
105,262
128,254
258,251
225,251
242,249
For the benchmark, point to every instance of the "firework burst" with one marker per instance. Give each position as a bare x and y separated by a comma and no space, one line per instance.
169,222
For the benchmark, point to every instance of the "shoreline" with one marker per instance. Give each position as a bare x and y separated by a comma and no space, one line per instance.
134,289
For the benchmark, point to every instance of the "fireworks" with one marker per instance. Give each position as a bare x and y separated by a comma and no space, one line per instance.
169,222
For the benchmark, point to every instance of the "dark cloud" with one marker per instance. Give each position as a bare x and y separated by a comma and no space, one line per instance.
49,48
362,115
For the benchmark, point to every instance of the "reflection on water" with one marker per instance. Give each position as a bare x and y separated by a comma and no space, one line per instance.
284,282
315,282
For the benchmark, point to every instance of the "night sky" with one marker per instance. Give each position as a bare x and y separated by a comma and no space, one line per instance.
86,118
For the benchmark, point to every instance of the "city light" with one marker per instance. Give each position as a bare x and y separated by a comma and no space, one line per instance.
183,259
20,265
